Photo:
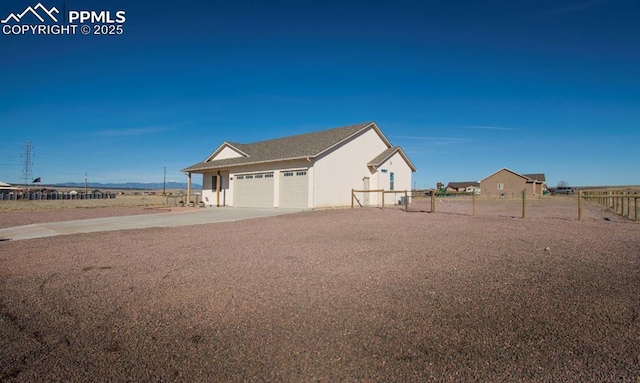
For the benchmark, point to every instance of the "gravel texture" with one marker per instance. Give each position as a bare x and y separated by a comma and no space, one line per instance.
335,295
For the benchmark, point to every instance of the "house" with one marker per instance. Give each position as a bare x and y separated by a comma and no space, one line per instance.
507,183
464,187
310,170
6,188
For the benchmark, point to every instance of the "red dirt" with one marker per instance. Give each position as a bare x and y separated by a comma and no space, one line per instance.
342,295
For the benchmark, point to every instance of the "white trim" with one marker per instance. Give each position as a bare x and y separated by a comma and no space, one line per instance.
220,148
404,156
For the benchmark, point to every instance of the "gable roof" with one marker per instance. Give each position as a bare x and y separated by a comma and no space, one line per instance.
458,185
386,154
6,186
302,146
537,177
221,147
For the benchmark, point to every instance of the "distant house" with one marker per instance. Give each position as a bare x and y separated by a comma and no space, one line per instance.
310,170
507,183
6,187
465,187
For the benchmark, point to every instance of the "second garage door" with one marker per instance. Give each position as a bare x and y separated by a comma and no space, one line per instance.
253,190
294,189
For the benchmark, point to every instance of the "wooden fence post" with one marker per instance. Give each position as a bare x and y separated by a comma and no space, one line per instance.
628,206
636,207
433,201
579,205
524,203
352,198
473,198
406,201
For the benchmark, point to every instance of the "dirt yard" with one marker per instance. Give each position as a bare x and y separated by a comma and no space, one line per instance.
335,295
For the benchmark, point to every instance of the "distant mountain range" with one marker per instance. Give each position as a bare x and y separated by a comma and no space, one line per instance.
129,185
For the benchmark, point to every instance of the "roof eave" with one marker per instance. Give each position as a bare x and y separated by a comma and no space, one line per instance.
222,146
501,169
397,149
191,169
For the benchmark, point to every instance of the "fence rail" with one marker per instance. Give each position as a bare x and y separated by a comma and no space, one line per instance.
622,202
618,201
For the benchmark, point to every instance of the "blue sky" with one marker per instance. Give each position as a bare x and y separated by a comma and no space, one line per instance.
466,87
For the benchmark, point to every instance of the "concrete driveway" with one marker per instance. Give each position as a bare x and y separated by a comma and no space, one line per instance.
170,219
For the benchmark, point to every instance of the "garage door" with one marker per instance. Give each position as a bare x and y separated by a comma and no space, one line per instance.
253,190
294,189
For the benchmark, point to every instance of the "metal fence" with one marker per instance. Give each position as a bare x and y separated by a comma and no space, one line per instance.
48,196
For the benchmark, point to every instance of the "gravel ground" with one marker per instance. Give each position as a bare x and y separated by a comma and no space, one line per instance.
335,295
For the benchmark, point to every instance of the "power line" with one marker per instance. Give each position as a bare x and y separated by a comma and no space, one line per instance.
27,155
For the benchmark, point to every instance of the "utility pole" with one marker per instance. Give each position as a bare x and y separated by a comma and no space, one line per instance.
27,154
164,182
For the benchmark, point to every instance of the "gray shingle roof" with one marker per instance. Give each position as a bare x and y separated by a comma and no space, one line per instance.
457,185
307,145
380,158
536,177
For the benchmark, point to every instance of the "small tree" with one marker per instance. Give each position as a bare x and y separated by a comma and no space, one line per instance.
563,184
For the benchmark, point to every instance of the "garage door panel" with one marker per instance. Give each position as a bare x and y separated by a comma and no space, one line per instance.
254,190
294,189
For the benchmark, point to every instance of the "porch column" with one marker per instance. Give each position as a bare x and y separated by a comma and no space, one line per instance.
218,189
188,188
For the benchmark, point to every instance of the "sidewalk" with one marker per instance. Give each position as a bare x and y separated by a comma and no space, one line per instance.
171,219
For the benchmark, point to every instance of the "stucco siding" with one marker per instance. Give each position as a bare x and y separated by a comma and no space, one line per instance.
401,174
209,192
225,153
512,184
344,168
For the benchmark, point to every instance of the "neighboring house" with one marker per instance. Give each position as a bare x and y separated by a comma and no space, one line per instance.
465,187
507,183
7,188
311,170
541,182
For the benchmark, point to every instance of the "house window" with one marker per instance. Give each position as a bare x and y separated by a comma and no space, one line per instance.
269,175
259,175
288,174
500,186
249,177
384,170
240,177
301,173
391,180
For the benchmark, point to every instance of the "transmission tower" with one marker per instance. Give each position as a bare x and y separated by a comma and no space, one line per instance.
27,156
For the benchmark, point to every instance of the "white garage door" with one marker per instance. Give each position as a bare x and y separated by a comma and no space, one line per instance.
294,189
253,190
